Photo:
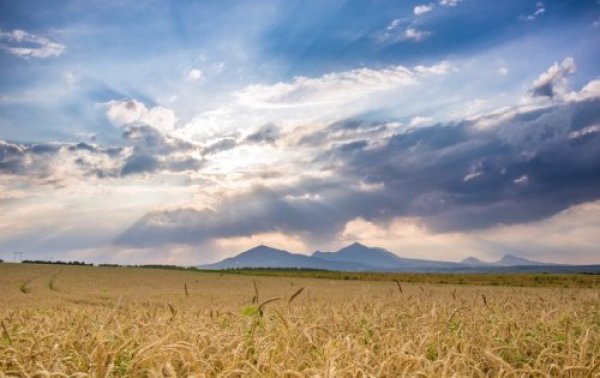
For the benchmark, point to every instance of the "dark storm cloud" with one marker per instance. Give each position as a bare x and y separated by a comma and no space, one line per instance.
222,145
262,210
459,176
154,151
544,89
268,133
553,82
139,163
344,131
153,141
42,160
150,151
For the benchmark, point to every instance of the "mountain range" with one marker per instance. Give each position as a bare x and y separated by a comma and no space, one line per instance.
358,257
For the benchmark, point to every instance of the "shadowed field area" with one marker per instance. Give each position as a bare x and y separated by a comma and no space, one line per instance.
150,322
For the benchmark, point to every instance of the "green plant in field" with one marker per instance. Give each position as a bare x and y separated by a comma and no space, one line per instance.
52,283
123,363
432,352
250,311
25,289
453,326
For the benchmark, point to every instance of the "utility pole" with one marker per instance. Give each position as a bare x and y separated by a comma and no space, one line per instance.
18,256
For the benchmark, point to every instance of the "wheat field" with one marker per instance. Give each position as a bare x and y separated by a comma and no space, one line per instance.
59,321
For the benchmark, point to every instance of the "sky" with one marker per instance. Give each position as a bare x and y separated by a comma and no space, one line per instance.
185,132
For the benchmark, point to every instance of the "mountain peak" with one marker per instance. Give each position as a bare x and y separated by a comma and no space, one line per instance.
263,249
357,244
512,260
472,261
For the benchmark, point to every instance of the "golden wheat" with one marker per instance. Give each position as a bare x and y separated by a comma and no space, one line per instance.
106,322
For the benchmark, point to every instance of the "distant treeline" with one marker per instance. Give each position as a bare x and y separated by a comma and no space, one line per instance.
149,266
57,262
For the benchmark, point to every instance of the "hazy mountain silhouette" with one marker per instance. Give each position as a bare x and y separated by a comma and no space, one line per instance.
267,257
512,260
381,259
506,260
358,257
355,257
473,261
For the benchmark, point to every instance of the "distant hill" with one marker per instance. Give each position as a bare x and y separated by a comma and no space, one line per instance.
473,261
512,260
506,260
357,257
381,259
267,257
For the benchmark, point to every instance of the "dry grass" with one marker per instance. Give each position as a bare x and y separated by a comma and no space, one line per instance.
135,322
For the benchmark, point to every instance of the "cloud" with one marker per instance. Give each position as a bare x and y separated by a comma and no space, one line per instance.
123,113
154,151
57,163
410,33
394,24
453,178
220,145
195,75
336,88
329,89
26,45
149,151
572,230
268,133
590,90
441,68
539,10
304,103
232,246
553,83
420,121
422,9
416,35
450,3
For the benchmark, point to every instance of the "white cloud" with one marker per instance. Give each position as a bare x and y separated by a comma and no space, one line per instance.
331,88
394,24
195,75
436,69
304,197
422,9
522,180
590,90
539,10
227,247
125,112
393,35
27,45
449,3
585,131
573,230
420,121
409,237
370,186
502,71
416,35
315,101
